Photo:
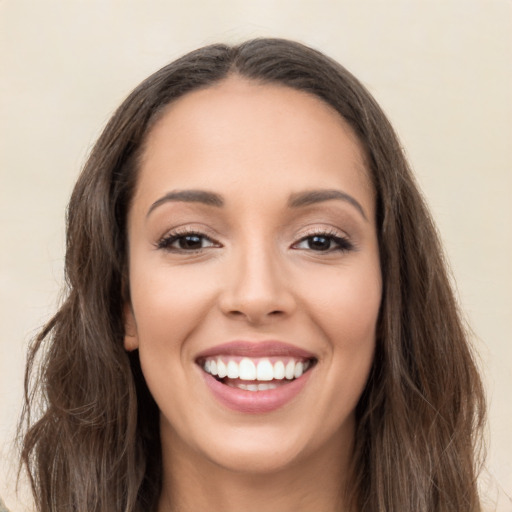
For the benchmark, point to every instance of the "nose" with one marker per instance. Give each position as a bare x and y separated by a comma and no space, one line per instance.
256,288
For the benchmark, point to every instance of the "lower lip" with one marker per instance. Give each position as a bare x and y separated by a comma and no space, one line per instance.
255,402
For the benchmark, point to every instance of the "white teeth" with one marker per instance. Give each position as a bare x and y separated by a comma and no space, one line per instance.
253,387
289,370
222,370
279,370
299,368
258,369
265,370
265,387
232,370
247,369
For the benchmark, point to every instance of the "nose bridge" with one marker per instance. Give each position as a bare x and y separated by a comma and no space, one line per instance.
257,287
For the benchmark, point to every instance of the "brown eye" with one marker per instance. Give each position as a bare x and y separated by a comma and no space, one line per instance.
189,242
186,242
324,242
319,243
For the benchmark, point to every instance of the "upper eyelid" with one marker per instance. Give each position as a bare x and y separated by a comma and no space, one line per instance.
189,229
203,231
325,230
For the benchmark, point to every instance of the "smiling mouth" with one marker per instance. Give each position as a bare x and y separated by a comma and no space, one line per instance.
255,374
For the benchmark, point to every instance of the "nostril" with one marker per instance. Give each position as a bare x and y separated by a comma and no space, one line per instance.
255,317
256,298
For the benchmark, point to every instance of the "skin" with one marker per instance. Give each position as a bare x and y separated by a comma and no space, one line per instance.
253,276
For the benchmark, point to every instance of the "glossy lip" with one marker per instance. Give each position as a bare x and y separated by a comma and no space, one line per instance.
255,402
267,348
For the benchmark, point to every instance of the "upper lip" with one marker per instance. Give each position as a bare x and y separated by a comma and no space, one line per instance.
265,348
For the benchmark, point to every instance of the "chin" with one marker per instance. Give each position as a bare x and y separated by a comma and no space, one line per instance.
257,459
265,448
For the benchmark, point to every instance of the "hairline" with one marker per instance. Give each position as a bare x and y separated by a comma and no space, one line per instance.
363,164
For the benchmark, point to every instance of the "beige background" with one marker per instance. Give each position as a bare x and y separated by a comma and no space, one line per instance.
441,69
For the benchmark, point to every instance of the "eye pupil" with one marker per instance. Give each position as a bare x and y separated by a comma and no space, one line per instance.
190,242
319,243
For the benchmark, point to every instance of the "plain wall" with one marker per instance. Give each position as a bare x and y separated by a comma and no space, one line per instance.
441,69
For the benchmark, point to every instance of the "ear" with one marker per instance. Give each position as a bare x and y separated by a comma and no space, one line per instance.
131,339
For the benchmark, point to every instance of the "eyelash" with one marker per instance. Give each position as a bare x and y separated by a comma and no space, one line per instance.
343,244
166,242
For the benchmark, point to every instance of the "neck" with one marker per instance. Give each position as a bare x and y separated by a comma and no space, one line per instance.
191,483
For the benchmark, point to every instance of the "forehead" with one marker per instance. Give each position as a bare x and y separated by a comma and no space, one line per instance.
265,136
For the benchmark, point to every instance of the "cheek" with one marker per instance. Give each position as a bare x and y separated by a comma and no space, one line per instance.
168,302
345,308
168,306
346,303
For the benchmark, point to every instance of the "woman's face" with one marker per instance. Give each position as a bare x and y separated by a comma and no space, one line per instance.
253,251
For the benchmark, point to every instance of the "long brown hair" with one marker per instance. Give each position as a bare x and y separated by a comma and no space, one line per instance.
91,440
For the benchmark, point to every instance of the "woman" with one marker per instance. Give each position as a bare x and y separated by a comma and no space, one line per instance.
258,313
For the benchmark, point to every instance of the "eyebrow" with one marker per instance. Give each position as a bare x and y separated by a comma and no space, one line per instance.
310,197
189,196
296,200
